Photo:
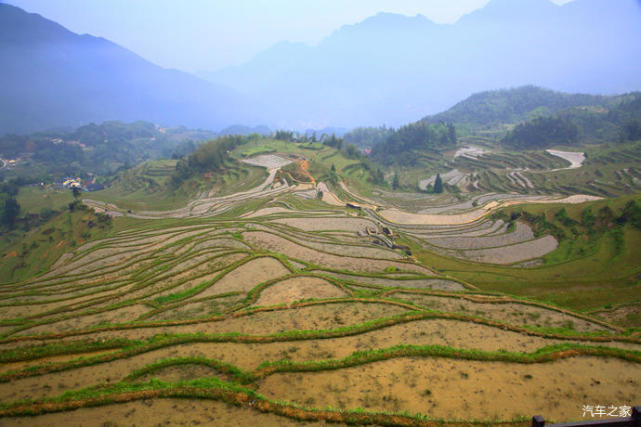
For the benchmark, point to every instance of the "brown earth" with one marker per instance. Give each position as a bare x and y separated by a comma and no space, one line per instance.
314,317
293,250
516,314
121,315
514,253
171,412
325,224
459,389
198,309
299,288
441,284
442,332
629,315
247,276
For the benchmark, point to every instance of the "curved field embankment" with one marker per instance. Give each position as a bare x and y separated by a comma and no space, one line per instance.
284,306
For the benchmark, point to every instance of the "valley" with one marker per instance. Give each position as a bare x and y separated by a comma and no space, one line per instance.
283,297
321,212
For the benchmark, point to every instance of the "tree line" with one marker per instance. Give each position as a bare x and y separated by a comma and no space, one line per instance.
587,124
9,207
398,147
208,157
541,132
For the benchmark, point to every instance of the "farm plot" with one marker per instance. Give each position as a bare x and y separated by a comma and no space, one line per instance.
297,251
575,159
360,248
299,288
205,307
470,152
313,316
513,313
452,177
514,253
326,224
284,308
521,233
163,411
269,161
452,388
246,276
406,282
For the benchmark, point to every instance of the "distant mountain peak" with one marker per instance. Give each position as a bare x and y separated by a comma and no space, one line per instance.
386,22
53,77
505,10
387,18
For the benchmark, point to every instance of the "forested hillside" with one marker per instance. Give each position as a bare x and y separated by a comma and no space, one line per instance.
616,119
524,118
399,144
211,156
97,149
496,107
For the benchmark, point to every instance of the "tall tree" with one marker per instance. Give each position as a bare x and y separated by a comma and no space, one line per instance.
9,212
451,133
438,184
395,182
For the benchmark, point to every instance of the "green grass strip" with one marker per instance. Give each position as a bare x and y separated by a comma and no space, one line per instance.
216,389
21,354
544,354
241,376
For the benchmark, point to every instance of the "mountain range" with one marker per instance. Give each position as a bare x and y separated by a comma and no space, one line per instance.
52,77
392,69
388,69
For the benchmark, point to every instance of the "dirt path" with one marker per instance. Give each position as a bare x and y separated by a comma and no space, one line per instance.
208,204
329,197
576,159
401,217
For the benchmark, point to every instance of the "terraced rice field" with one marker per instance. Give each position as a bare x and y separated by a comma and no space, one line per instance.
605,170
278,309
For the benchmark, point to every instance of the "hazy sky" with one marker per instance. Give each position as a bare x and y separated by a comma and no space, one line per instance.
198,35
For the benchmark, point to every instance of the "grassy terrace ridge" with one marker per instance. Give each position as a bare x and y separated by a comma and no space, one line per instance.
215,389
129,348
545,354
275,285
416,312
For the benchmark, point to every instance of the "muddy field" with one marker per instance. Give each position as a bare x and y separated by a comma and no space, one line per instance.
519,314
296,251
171,412
514,253
281,282
452,389
313,317
418,283
456,334
248,275
521,233
299,288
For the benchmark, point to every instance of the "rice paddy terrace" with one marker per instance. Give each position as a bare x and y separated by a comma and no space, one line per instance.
272,306
608,170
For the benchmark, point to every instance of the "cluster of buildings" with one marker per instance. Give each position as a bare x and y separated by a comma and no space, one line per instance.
8,163
86,185
62,141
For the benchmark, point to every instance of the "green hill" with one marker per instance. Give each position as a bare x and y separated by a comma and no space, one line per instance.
619,120
503,106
